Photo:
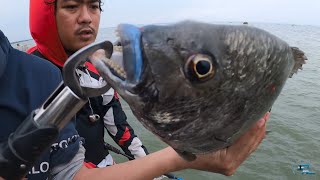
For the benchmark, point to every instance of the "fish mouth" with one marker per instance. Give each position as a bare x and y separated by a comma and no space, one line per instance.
123,70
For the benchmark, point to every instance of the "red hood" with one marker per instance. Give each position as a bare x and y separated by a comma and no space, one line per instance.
44,31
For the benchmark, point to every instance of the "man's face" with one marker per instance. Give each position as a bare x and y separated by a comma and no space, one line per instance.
77,23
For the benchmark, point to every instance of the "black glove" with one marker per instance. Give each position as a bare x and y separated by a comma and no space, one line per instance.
24,147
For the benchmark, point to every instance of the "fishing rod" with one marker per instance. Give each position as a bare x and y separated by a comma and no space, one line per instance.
117,151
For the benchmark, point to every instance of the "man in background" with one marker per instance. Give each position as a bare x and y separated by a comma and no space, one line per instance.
59,29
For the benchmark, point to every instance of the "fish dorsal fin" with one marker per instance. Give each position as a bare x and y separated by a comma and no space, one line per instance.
299,58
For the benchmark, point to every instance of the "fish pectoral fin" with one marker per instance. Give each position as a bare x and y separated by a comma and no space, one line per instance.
186,155
299,58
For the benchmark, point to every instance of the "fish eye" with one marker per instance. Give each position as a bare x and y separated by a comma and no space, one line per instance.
200,67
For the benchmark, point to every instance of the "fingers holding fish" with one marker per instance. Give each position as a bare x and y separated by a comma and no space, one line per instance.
244,146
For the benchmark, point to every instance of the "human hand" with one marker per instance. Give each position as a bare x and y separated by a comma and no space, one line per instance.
226,161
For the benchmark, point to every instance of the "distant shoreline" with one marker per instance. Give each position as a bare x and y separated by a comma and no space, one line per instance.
23,45
16,42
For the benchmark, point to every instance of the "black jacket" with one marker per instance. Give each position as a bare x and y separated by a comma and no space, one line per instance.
26,82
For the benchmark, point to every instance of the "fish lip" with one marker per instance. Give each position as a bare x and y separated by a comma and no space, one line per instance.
132,63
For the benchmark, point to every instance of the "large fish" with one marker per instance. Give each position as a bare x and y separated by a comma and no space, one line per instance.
199,86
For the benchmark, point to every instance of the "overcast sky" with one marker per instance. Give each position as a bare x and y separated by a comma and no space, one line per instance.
14,13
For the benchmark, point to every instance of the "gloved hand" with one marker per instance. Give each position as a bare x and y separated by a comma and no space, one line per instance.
23,147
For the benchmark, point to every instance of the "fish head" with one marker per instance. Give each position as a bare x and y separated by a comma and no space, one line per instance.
199,86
